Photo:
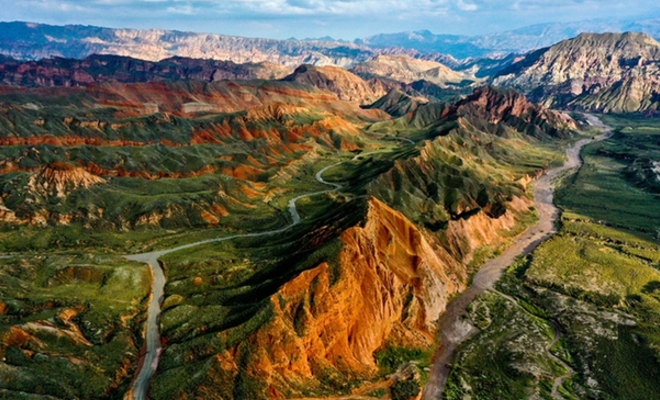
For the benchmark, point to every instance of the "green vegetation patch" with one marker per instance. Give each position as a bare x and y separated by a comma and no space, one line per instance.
70,324
597,284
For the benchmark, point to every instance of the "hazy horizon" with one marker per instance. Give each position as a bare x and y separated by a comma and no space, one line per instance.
340,19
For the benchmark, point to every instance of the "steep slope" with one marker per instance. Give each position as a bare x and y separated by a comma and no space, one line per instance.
108,68
407,69
602,72
346,85
60,178
388,284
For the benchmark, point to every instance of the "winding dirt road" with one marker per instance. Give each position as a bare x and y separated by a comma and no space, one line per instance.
453,329
149,362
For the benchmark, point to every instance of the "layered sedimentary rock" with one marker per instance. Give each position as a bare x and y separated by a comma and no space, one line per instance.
611,72
109,68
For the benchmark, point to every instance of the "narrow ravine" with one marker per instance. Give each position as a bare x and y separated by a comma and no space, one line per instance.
149,362
453,330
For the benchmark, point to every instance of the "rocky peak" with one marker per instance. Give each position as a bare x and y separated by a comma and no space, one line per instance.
615,72
498,105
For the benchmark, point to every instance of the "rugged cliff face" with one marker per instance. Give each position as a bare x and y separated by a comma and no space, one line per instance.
392,282
33,41
608,72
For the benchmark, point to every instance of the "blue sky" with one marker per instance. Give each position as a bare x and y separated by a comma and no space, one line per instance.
345,19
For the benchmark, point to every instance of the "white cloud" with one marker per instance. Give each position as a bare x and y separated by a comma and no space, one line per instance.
312,18
467,6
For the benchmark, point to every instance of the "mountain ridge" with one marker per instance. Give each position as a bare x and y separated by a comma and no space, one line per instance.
27,40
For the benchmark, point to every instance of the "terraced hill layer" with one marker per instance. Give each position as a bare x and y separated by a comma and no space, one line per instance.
155,159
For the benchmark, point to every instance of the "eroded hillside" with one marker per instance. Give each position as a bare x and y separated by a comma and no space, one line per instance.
323,308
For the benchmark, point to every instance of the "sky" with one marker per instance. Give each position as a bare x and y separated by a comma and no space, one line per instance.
340,19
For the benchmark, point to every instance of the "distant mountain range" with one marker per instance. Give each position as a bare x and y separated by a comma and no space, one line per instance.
31,41
109,68
515,41
22,40
610,72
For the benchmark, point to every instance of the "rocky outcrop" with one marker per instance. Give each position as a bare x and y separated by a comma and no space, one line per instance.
609,72
60,178
391,284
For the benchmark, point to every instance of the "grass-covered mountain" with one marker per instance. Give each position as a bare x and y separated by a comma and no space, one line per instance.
398,103
177,154
609,72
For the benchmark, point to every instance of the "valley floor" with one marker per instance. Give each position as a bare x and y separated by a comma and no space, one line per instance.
453,328
578,317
